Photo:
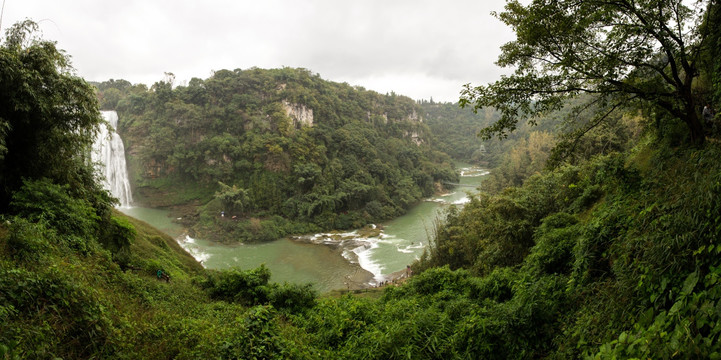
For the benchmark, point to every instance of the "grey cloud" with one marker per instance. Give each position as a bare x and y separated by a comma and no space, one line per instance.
433,42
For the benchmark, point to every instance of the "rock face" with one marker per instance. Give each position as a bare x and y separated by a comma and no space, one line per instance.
301,115
413,117
415,137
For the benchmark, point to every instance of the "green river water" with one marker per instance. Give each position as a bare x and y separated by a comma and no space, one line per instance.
329,261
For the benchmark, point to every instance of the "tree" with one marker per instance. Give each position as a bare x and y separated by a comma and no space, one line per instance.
233,198
625,51
48,116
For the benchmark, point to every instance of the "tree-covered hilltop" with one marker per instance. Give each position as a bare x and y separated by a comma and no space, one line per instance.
455,131
553,138
283,150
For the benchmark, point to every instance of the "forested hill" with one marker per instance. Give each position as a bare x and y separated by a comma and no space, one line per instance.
281,149
456,129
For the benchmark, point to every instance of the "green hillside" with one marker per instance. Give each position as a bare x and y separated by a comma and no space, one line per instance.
282,150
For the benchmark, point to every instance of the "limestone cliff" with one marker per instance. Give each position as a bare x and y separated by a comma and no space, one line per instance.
299,113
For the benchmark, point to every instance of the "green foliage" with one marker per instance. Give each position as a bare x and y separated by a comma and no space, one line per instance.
80,326
623,261
496,286
555,239
442,313
582,136
626,269
255,153
566,48
525,157
151,250
48,117
454,131
615,257
689,328
252,288
246,287
292,297
434,281
119,236
232,198
263,341
74,220
27,241
497,230
229,230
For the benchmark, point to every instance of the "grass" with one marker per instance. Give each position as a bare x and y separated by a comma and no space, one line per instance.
153,249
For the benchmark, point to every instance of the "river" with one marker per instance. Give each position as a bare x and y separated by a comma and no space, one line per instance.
332,260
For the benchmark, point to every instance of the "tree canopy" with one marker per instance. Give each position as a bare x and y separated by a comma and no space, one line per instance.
279,144
48,116
644,52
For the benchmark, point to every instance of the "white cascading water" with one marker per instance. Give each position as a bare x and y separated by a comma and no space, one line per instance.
109,152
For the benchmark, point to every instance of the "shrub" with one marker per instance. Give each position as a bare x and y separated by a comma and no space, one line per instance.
433,281
117,240
555,239
27,241
292,297
497,286
245,287
54,314
591,257
42,200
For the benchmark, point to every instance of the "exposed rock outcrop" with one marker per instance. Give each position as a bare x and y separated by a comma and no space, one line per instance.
415,136
299,113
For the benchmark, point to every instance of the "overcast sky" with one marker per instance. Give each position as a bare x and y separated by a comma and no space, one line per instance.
417,48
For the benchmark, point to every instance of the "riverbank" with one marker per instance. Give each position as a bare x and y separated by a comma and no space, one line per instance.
357,247
373,291
347,260
344,244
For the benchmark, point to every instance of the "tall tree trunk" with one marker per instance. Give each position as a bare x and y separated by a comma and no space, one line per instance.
694,125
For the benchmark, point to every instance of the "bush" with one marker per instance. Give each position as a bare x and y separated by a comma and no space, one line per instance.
245,287
292,297
27,241
496,286
117,240
592,260
42,200
251,288
432,281
555,239
54,314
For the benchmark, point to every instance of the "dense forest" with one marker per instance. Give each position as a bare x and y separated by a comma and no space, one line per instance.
282,150
608,248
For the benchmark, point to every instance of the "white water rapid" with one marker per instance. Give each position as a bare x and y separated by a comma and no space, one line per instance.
108,150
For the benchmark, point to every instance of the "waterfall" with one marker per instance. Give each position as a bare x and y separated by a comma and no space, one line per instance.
109,152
